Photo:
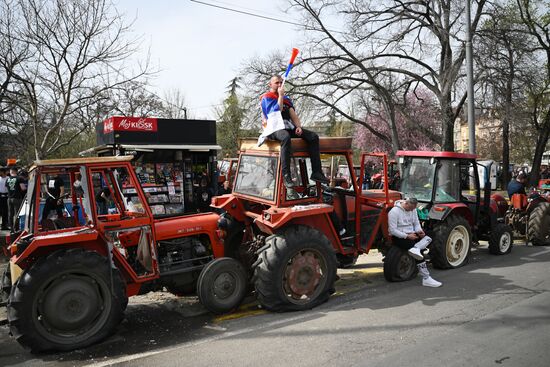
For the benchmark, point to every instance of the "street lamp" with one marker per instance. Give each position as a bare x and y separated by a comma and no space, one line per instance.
470,81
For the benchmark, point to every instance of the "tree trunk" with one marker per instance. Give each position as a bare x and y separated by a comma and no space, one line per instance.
447,140
542,140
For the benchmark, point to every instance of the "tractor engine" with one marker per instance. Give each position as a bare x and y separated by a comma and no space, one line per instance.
517,219
181,261
182,254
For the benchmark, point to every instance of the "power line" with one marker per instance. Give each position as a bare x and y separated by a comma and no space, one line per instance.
249,13
258,15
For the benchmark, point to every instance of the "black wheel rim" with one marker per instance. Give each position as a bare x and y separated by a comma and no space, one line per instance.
71,308
304,276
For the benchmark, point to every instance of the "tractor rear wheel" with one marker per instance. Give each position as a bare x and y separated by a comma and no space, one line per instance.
65,301
451,243
296,270
399,266
538,231
222,285
501,239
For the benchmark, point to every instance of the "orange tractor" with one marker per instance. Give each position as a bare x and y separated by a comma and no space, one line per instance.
291,241
529,215
70,275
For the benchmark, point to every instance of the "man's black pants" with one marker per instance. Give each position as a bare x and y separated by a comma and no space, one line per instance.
312,140
4,210
52,204
403,243
13,208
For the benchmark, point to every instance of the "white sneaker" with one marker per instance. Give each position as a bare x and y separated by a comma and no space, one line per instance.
431,282
415,253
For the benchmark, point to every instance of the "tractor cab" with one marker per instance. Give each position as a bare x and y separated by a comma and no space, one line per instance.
452,203
293,239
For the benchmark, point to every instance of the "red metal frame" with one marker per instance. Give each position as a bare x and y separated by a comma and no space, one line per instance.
435,154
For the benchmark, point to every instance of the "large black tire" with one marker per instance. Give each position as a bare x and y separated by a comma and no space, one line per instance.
67,300
222,285
399,266
538,231
452,243
296,270
501,239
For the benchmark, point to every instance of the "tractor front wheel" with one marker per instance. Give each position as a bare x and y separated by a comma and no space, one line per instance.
539,225
65,301
222,285
296,270
452,243
501,240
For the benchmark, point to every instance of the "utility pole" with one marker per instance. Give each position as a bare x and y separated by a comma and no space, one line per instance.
470,81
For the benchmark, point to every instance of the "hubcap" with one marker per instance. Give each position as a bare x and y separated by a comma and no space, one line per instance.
304,276
406,266
225,285
457,245
505,242
71,308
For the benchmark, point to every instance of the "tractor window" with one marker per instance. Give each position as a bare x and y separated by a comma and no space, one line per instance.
418,178
257,176
468,184
448,182
126,186
300,171
103,193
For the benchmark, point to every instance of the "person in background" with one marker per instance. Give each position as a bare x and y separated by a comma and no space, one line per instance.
54,197
408,235
3,198
225,188
103,198
16,192
517,185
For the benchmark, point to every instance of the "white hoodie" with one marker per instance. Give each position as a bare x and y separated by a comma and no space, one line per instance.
401,222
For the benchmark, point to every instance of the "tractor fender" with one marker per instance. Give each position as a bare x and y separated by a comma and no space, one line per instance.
440,212
313,215
231,204
35,246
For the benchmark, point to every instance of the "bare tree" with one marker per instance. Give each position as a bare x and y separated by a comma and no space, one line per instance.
389,48
77,52
504,53
174,104
535,14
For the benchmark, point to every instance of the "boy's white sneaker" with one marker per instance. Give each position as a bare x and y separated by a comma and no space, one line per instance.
415,253
431,282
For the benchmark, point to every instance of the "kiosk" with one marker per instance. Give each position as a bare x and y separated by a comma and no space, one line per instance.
174,159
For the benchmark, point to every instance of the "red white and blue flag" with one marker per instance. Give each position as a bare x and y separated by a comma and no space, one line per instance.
272,120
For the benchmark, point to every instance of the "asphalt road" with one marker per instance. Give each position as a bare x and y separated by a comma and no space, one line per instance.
493,312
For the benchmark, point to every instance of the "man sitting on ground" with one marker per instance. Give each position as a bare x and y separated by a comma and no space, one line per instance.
408,235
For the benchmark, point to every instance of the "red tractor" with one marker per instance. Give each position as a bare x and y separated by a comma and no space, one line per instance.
70,275
452,205
291,241
529,215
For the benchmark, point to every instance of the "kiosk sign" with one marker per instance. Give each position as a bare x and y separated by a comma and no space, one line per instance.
129,124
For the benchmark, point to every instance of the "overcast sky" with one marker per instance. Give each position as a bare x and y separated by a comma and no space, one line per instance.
199,49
